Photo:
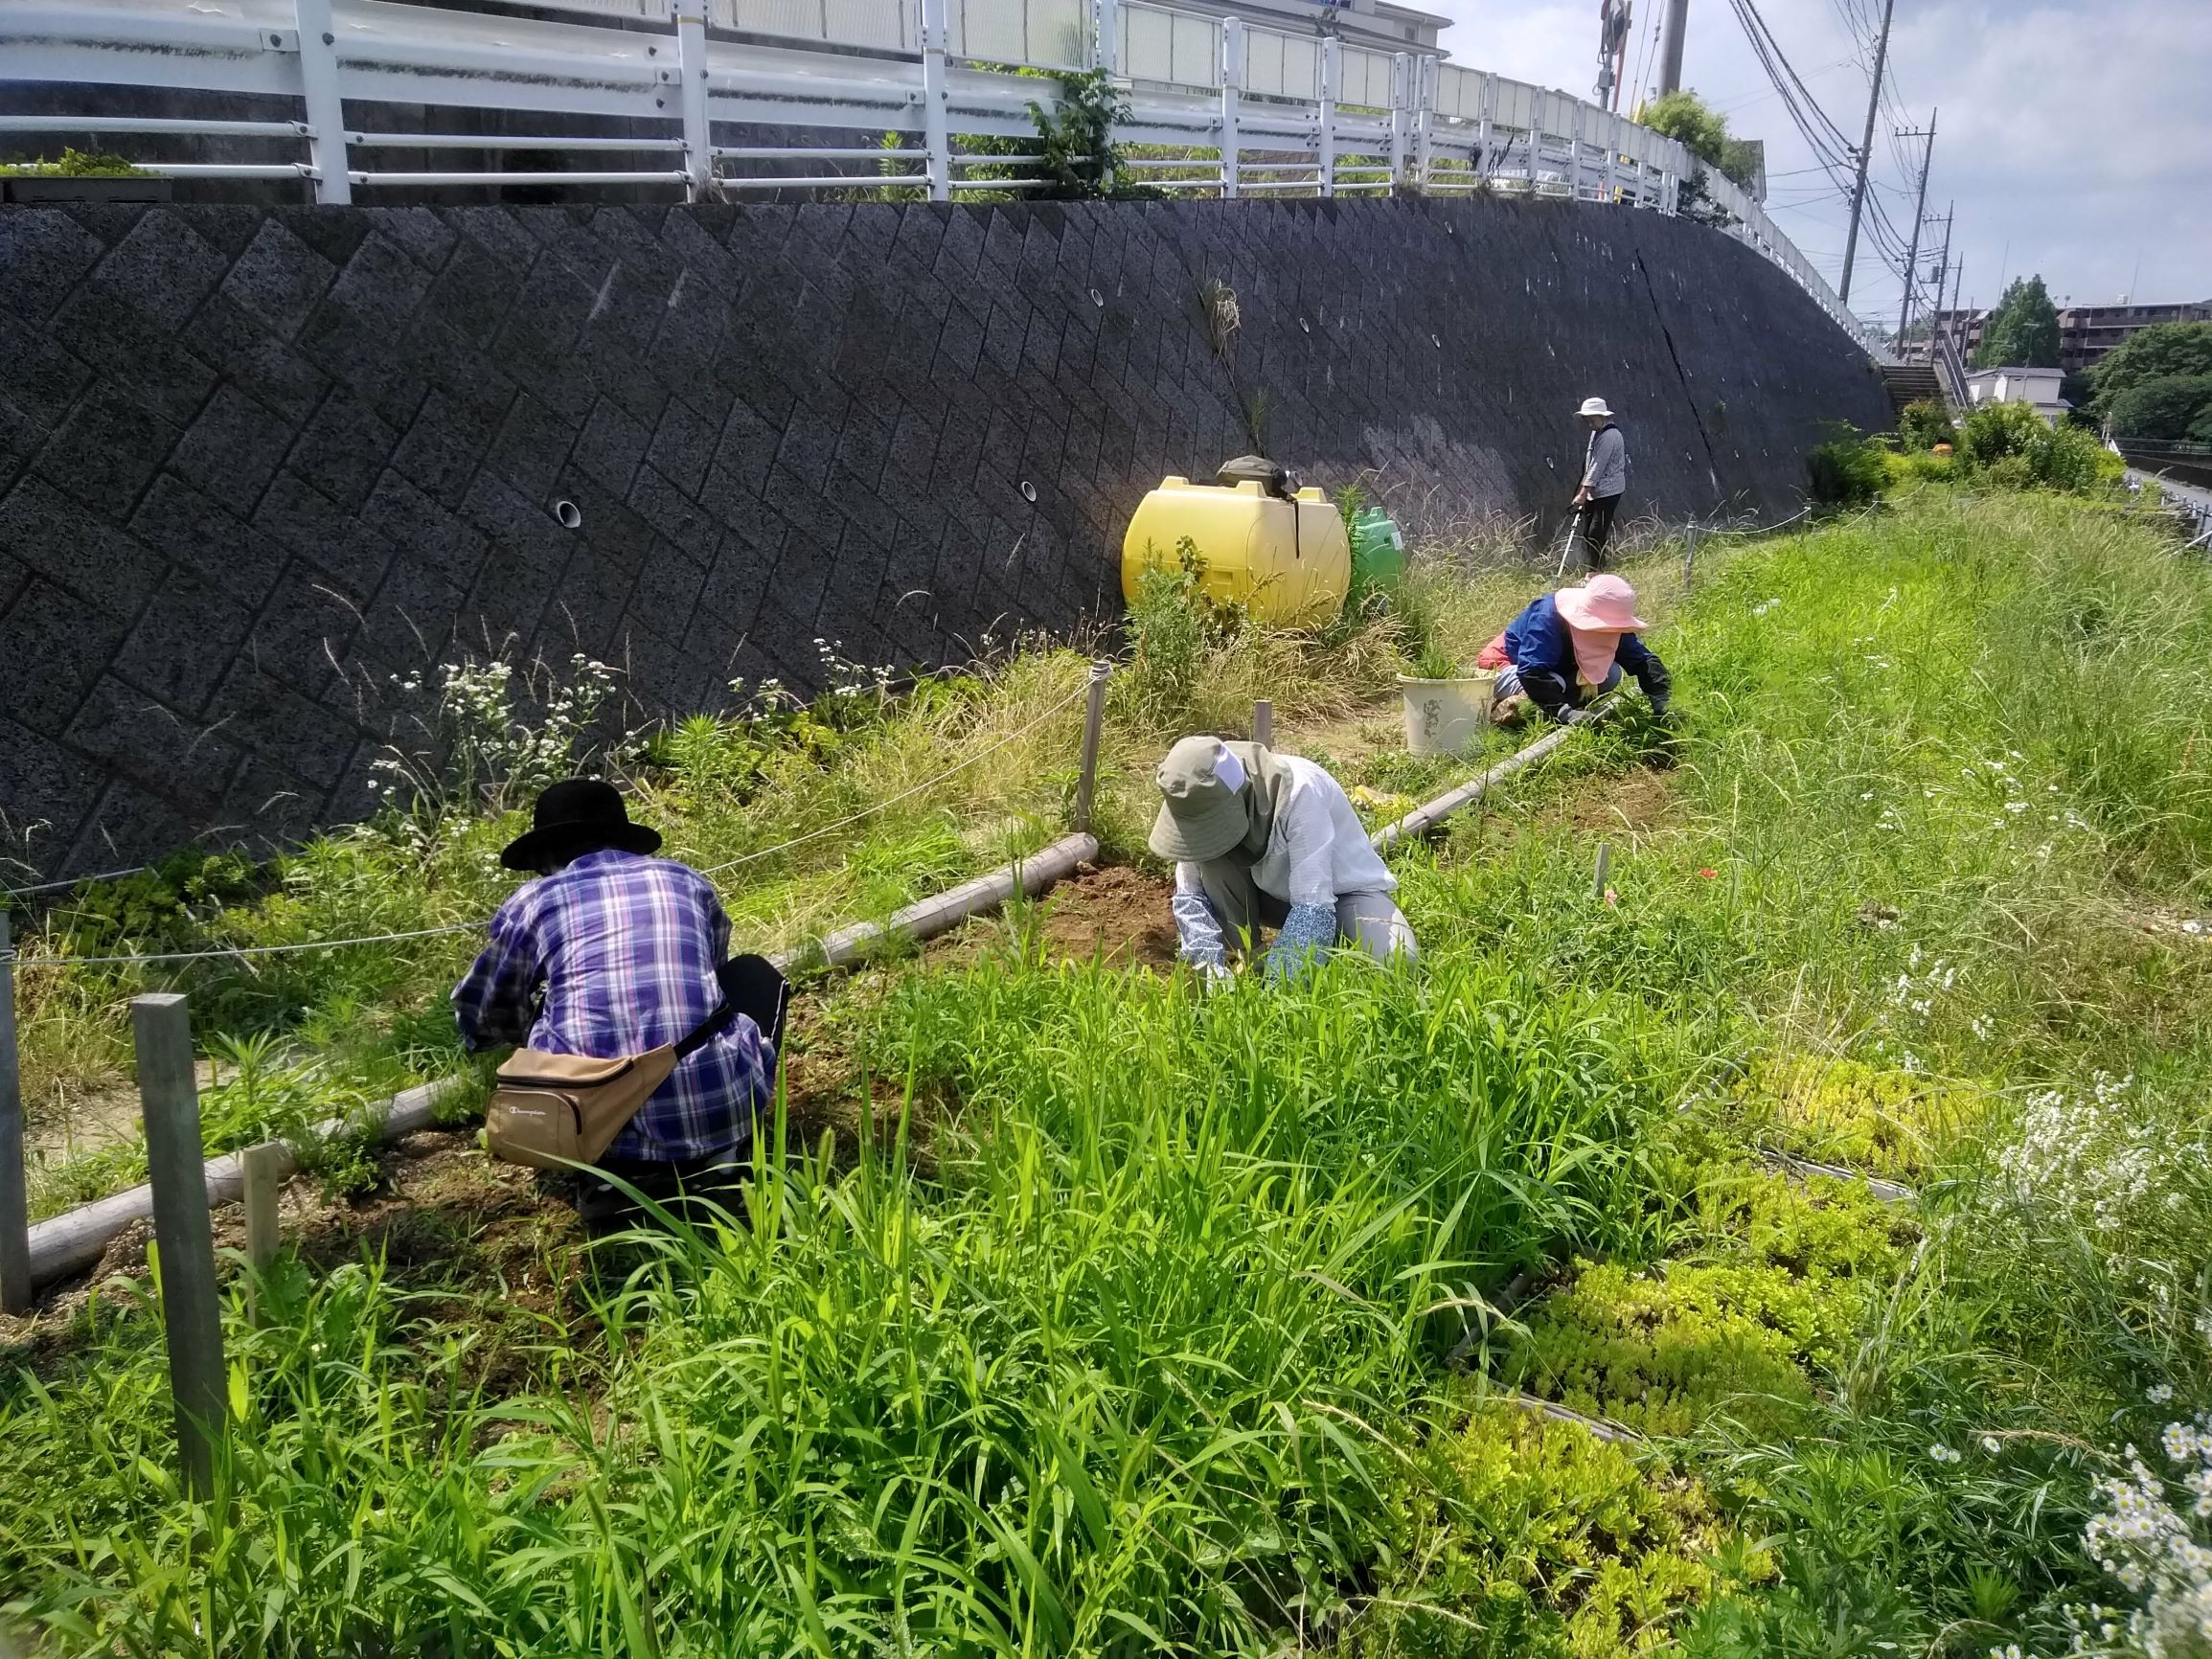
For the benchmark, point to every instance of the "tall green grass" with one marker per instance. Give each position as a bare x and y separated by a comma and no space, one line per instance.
1125,1369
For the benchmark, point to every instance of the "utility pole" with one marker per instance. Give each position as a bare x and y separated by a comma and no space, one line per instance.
1675,21
1958,319
1941,278
1866,147
1919,212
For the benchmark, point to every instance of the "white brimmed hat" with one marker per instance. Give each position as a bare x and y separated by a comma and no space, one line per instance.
1596,406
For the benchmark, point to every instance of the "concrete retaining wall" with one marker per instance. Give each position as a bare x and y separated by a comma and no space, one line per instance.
257,464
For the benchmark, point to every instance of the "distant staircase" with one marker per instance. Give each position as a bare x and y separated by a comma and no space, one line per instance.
1911,383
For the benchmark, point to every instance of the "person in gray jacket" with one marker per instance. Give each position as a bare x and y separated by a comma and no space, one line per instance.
1604,480
1266,840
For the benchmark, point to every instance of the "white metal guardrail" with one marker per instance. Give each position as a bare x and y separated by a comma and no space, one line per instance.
1246,110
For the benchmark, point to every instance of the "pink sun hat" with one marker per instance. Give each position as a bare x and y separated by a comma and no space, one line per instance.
1604,605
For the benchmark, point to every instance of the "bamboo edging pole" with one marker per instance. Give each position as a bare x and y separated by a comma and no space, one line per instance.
1430,813
15,1212
175,1158
74,1241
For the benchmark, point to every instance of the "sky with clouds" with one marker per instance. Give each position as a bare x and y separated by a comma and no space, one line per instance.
2074,135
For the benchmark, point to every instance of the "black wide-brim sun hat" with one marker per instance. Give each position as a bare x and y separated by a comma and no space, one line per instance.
573,817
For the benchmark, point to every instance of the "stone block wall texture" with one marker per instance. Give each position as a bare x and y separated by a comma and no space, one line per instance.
258,465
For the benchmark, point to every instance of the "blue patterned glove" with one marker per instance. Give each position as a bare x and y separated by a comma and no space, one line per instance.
1307,935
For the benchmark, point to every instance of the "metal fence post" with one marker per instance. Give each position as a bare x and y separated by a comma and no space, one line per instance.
1332,72
692,100
1264,723
1232,85
325,110
1093,725
1575,149
936,115
1424,75
14,1223
1488,112
1400,110
169,1095
1107,49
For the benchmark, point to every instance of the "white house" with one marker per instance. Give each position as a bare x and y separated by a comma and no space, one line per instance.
2037,386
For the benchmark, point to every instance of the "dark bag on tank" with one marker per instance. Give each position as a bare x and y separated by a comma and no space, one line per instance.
1271,476
550,1111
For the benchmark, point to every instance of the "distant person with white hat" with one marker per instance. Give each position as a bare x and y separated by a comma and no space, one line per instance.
1604,480
1266,840
1568,648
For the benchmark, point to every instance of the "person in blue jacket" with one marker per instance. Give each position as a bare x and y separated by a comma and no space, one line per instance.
1568,648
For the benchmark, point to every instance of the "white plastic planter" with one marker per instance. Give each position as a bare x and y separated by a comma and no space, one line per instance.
1445,716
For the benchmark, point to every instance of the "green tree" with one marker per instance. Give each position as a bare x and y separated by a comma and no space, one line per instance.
1081,160
2023,331
1686,117
2166,408
2151,354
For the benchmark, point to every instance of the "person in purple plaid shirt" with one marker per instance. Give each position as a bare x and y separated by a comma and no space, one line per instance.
613,952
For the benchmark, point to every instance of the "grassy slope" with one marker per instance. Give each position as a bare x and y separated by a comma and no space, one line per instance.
1152,1351
887,799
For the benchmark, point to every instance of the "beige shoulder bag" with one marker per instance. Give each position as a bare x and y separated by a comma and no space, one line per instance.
557,1111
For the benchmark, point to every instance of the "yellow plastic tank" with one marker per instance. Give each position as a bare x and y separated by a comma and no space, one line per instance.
1287,561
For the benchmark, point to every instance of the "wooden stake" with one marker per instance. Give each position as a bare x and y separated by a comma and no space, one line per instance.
265,1166
1264,723
15,1216
1093,725
169,1095
1598,874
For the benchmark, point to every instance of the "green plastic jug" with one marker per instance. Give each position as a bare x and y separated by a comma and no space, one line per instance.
1378,554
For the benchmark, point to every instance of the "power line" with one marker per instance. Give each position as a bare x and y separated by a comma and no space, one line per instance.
1912,249
1820,133
1866,146
1650,44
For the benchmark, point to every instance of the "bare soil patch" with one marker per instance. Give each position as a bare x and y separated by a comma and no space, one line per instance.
1110,913
442,1213
1636,801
